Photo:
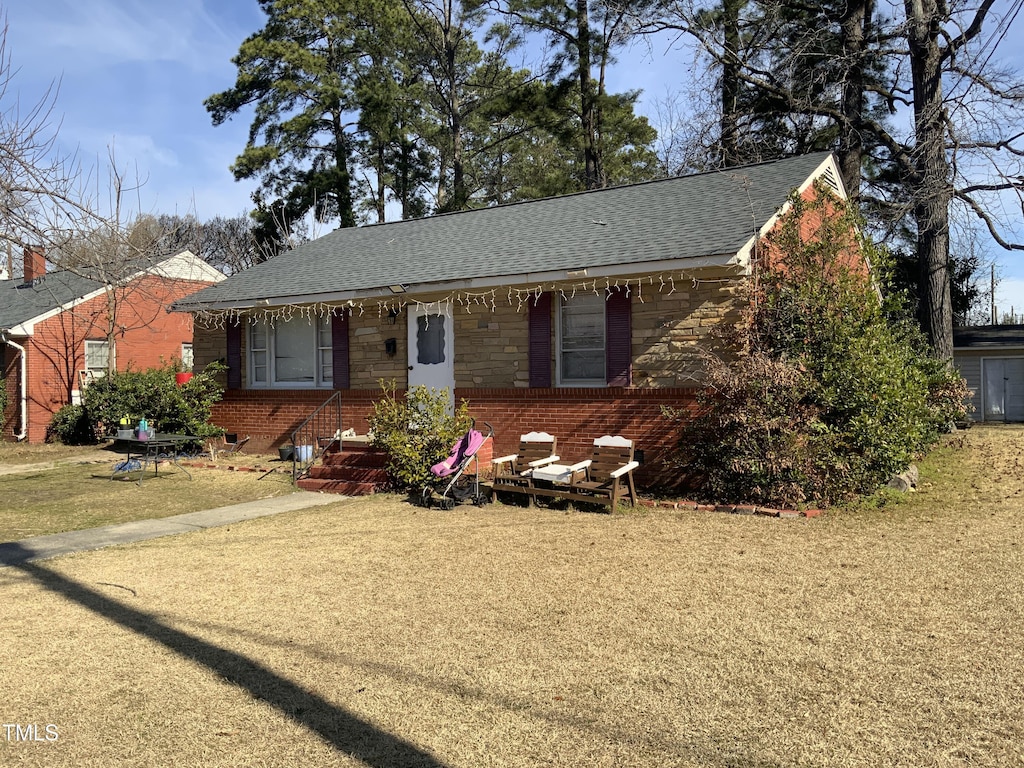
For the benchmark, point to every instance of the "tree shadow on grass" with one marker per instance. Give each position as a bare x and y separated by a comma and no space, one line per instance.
336,726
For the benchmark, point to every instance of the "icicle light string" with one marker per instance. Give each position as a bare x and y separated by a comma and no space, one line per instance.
220,318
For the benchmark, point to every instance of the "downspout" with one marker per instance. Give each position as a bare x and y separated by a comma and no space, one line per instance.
20,436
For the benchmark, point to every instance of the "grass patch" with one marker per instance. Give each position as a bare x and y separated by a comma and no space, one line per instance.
76,496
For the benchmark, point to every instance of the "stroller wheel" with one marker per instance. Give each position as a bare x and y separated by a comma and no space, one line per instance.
447,504
426,497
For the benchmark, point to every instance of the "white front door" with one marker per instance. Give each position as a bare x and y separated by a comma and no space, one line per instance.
431,350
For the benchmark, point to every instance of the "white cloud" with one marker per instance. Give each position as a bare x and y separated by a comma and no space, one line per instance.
99,34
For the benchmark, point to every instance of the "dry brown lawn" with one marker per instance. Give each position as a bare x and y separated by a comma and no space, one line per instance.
375,633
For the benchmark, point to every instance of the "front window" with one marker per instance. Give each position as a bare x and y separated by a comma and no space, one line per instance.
291,353
581,342
187,358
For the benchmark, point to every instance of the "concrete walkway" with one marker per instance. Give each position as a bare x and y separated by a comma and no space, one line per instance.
41,547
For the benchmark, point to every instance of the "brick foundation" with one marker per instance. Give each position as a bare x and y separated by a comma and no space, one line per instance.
574,416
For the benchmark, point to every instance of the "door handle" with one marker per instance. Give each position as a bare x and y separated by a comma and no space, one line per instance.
410,367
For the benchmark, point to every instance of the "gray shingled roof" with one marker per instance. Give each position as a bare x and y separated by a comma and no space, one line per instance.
710,214
21,301
988,336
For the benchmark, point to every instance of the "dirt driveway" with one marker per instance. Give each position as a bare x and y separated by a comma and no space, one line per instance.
375,633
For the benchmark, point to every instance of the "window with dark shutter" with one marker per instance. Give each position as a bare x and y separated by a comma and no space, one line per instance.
339,350
540,341
234,356
618,339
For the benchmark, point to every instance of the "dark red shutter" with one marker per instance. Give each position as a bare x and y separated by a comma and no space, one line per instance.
618,339
339,349
234,356
540,341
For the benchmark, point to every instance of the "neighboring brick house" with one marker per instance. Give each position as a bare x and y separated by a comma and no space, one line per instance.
54,332
579,315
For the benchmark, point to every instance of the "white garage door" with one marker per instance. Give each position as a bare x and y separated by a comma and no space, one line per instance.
1004,388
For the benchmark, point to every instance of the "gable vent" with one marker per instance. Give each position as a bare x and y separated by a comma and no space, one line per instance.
830,178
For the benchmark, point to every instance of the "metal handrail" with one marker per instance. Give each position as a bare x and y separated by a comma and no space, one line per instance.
320,431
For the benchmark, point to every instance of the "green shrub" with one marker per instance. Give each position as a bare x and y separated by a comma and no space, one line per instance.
71,426
154,395
831,389
417,431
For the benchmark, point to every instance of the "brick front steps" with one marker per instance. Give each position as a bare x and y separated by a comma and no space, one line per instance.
358,470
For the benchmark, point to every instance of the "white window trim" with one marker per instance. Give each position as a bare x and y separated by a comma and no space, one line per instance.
187,345
271,352
97,371
559,380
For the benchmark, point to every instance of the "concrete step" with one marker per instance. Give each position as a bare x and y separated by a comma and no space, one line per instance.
345,487
356,458
354,474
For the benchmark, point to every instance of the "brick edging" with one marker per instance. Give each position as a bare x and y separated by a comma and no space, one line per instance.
733,509
233,468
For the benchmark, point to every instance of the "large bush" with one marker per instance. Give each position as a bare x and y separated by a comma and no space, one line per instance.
831,388
154,395
70,425
416,430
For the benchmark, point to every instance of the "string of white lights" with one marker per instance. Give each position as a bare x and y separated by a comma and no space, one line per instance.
392,307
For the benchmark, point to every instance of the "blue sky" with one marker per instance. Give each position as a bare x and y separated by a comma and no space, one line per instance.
133,75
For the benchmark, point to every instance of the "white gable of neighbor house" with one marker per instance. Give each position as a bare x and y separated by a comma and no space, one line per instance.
183,266
187,266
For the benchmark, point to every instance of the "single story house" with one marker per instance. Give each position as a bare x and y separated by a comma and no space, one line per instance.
56,332
580,315
991,360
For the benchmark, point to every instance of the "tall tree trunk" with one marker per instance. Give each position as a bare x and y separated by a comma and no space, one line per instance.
380,190
111,329
731,82
934,189
593,172
343,186
854,26
460,196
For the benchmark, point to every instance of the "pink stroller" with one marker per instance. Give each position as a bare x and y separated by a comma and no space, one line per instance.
449,472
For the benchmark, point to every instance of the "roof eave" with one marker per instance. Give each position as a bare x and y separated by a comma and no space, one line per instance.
471,284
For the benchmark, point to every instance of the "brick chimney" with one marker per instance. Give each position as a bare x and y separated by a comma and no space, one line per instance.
35,263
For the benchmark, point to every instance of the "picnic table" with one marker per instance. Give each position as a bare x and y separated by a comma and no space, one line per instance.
139,454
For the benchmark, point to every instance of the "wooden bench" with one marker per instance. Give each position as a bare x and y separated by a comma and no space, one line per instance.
605,478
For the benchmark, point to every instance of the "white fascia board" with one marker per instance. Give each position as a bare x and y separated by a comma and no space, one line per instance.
828,164
479,283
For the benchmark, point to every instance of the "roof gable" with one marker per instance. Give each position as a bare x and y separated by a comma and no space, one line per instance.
24,304
703,219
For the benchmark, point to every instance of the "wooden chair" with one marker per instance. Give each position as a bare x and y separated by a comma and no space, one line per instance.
536,449
611,462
